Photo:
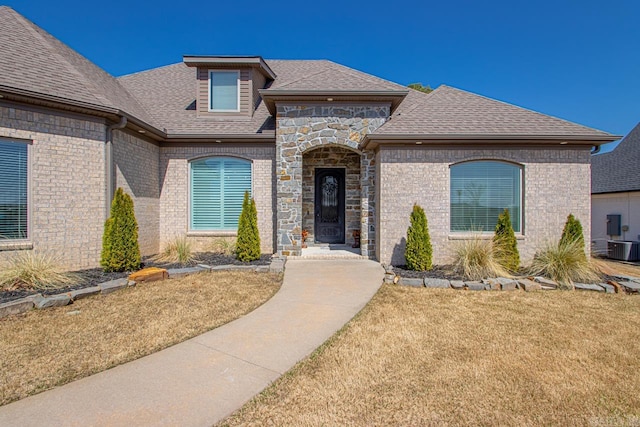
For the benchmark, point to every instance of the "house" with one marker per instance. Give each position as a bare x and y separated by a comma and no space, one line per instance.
321,147
615,190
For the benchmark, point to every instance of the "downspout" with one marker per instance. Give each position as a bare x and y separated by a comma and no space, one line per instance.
108,156
595,149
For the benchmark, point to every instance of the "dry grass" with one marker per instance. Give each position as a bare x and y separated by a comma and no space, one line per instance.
43,349
34,270
477,258
565,263
606,266
418,357
176,250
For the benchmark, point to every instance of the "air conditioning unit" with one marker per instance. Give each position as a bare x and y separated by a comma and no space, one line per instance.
623,250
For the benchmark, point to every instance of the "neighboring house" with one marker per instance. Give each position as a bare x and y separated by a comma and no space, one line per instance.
321,147
615,190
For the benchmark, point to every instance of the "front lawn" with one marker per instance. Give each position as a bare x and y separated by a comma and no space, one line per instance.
443,357
45,348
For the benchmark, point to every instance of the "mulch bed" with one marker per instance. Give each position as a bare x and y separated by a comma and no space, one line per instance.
95,276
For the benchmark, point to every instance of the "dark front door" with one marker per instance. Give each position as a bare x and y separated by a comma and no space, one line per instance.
329,203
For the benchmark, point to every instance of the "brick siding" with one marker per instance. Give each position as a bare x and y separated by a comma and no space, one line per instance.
67,185
556,183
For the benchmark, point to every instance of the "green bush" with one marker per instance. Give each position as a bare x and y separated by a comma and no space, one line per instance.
248,241
120,250
505,243
418,251
572,232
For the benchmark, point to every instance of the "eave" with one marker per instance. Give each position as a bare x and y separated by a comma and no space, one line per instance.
256,62
272,96
372,141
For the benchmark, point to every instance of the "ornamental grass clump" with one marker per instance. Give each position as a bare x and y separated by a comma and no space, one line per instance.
177,250
478,258
418,251
505,244
248,241
34,270
565,263
120,250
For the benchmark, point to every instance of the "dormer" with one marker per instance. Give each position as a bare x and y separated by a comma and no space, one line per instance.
227,86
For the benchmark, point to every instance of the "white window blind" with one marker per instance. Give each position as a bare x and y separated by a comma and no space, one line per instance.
13,190
218,185
480,191
224,90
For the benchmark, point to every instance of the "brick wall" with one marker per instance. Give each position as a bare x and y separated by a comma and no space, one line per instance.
67,181
557,182
137,164
174,182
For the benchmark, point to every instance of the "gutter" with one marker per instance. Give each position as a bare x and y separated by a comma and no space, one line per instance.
108,156
475,138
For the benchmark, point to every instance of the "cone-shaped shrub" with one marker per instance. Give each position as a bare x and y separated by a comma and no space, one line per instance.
418,252
572,232
120,250
248,241
505,243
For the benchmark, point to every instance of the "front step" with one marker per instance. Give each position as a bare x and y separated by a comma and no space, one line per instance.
324,251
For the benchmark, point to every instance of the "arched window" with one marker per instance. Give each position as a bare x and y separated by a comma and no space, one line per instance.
217,186
480,191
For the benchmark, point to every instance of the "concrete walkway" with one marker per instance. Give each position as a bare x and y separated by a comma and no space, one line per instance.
203,380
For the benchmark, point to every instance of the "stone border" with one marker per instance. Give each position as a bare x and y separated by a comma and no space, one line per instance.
626,284
39,301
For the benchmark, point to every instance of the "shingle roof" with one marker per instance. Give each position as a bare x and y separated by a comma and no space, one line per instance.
451,111
618,170
326,76
164,97
36,62
169,93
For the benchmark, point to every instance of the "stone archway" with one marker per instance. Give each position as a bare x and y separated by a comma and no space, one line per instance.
300,129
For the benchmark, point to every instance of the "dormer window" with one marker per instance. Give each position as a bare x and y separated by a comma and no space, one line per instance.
224,91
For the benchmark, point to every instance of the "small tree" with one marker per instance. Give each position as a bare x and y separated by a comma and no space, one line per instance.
120,250
572,232
248,241
505,242
418,251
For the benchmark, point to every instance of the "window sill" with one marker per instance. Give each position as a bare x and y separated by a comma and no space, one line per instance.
484,236
15,245
221,233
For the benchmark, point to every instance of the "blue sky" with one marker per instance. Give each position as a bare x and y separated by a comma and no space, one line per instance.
574,59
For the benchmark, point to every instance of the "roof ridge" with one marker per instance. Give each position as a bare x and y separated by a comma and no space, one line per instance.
304,77
124,76
365,76
509,104
33,29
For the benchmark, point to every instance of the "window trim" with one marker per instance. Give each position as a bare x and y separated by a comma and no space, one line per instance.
210,102
219,232
456,234
26,243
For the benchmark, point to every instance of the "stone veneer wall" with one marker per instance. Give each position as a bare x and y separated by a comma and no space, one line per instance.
137,163
300,128
557,181
67,184
330,157
174,189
